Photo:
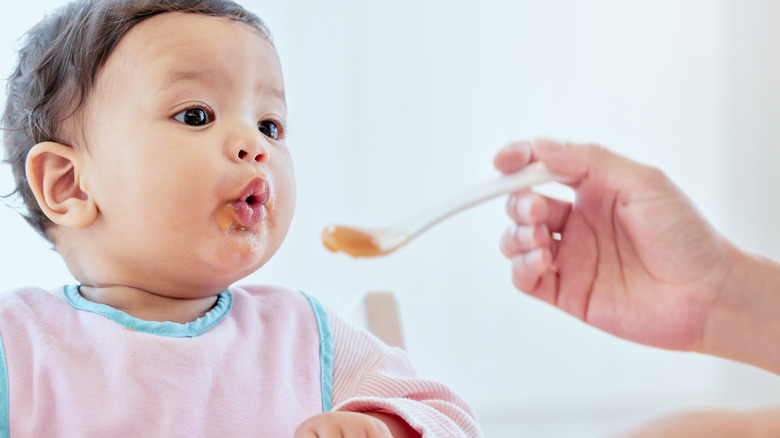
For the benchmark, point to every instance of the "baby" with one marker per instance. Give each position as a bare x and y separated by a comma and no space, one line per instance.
147,140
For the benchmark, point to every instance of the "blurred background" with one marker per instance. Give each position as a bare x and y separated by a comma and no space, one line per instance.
398,104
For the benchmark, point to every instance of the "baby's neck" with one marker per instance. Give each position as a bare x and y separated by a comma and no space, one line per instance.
149,306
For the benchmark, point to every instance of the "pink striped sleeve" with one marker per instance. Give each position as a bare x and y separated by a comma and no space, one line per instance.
369,376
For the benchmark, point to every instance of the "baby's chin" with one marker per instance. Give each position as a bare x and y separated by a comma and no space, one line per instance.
245,254
245,249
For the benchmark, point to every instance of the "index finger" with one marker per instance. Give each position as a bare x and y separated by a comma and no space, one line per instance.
513,157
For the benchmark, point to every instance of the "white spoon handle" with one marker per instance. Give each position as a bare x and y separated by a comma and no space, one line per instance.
531,175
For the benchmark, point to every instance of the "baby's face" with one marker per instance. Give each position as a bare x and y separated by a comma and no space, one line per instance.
187,159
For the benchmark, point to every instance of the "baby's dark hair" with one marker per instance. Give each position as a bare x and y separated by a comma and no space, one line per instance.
59,62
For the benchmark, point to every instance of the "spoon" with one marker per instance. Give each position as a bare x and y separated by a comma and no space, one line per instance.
371,242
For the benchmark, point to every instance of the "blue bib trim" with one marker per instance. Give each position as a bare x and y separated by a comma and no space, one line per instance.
4,403
160,328
326,353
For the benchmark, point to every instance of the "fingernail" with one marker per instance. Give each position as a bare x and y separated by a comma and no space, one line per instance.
523,208
535,259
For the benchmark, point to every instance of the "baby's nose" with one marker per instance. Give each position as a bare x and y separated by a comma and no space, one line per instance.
251,156
251,148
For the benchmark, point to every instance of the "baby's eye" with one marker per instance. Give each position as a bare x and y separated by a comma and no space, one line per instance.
194,117
269,129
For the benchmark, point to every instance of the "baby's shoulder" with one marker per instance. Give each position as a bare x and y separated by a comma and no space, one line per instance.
25,305
29,296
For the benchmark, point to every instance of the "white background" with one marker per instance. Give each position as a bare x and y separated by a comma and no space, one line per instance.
396,104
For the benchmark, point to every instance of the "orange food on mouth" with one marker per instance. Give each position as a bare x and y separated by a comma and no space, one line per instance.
225,218
240,238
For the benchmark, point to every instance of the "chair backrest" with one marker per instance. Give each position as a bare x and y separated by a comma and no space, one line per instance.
377,311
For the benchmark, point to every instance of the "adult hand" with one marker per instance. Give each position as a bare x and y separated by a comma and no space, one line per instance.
631,255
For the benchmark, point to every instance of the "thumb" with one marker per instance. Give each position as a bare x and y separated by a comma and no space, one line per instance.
567,159
591,162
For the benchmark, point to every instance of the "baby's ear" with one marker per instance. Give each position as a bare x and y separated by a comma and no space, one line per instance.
53,174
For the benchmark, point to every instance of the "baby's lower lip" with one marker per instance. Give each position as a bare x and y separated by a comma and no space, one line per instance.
247,215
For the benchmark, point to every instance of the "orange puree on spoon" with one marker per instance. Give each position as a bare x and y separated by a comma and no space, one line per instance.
356,242
370,242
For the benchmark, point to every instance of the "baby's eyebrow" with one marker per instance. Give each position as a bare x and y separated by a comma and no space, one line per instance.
278,93
205,76
178,76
